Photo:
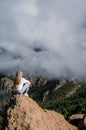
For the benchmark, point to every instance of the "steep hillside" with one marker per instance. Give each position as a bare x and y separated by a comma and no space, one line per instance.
25,114
68,99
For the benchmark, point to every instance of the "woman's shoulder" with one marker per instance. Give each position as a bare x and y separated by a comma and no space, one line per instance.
25,80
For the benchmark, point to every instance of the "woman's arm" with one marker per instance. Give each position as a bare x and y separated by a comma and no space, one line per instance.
27,81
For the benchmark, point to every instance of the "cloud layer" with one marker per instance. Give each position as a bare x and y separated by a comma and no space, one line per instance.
43,36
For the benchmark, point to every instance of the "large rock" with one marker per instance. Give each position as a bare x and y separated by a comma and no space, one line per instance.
84,121
5,90
79,120
6,84
25,114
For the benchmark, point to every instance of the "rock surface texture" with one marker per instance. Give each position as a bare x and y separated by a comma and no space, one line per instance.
5,90
25,114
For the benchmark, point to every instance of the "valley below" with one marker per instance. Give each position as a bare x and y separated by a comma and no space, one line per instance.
64,96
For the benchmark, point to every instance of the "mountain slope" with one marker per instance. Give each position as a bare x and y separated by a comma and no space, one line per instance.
25,114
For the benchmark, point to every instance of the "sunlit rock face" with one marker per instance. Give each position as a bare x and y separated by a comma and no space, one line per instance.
24,113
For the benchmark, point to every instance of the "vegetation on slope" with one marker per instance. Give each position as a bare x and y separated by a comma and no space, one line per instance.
58,100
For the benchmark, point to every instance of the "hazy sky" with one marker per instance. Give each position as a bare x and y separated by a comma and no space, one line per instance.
43,35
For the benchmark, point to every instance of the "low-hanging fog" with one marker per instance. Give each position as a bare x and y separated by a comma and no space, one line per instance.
41,36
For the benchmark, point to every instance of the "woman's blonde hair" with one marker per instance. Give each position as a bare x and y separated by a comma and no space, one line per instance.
19,75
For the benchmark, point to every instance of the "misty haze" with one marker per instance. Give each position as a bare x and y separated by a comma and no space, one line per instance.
46,36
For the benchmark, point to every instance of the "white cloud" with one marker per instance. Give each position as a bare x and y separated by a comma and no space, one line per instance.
43,35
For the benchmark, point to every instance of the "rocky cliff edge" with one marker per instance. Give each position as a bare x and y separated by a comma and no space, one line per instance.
25,114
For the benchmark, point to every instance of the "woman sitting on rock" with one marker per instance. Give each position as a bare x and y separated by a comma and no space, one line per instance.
21,84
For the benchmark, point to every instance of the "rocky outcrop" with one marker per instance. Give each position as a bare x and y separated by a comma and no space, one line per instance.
6,84
5,90
38,81
33,79
25,114
73,80
79,120
74,90
75,117
61,83
84,121
45,95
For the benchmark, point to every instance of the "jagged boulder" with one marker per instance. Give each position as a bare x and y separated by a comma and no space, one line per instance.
25,114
